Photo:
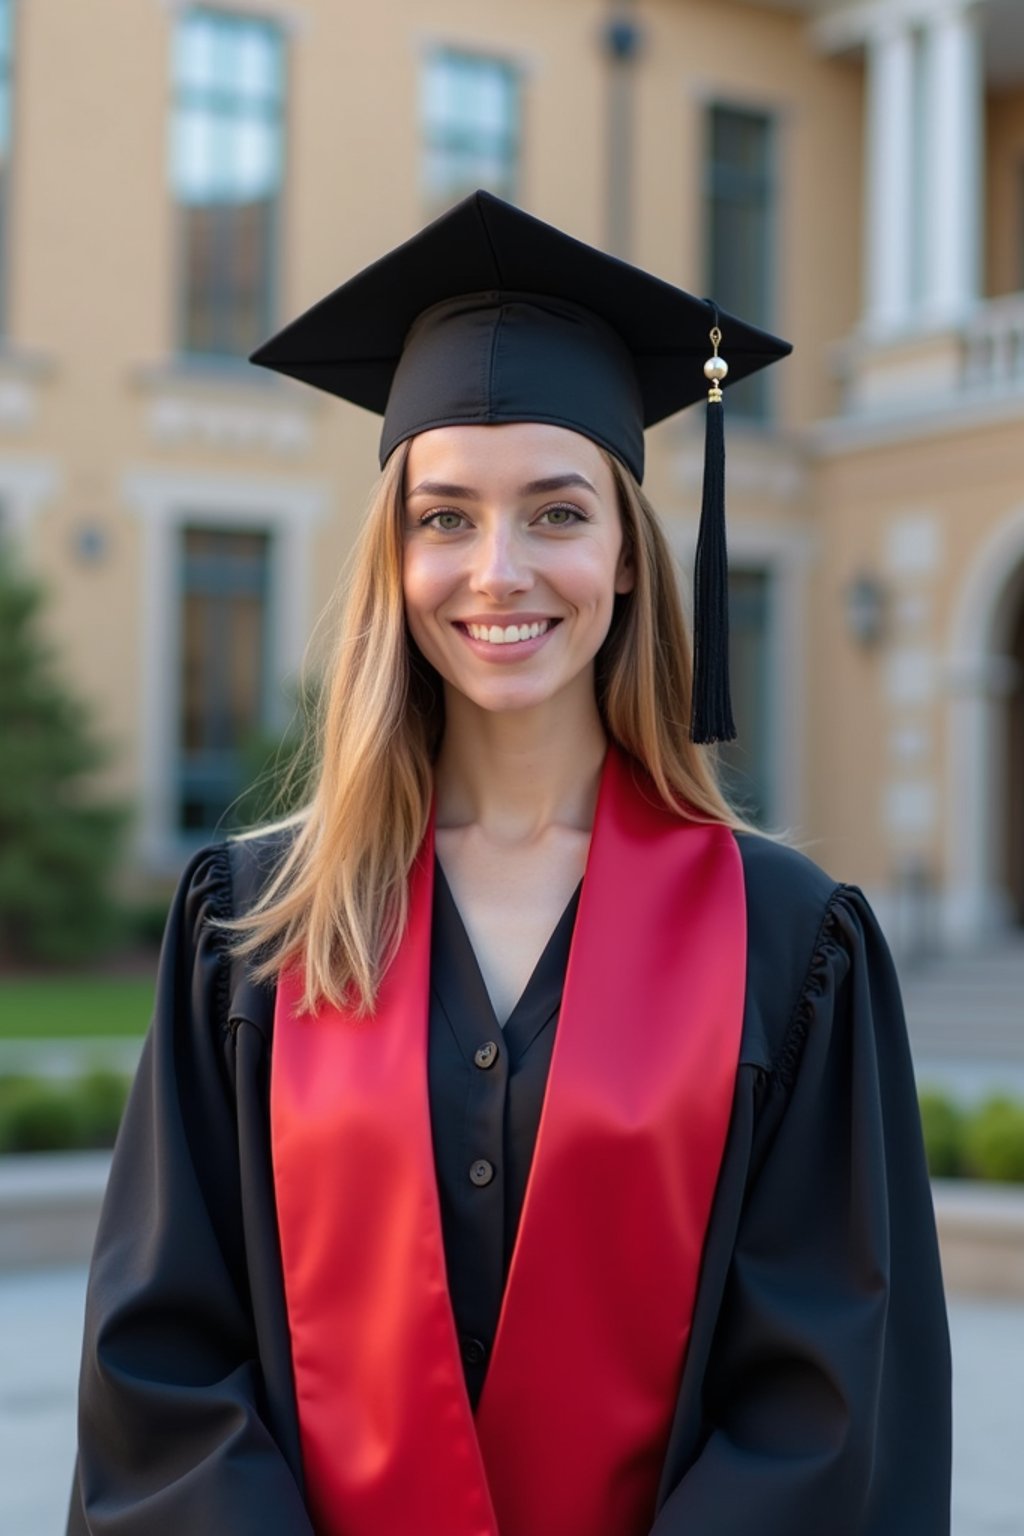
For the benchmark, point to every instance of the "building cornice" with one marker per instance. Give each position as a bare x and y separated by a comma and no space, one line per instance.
965,414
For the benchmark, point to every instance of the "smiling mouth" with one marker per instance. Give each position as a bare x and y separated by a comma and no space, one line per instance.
508,634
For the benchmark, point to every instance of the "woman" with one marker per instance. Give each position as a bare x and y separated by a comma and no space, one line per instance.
410,1230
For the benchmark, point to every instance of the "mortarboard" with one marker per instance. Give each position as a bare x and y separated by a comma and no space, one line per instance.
490,315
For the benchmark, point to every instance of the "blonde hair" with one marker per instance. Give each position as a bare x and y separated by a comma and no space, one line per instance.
337,903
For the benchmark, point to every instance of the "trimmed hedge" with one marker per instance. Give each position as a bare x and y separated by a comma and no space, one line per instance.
40,1115
986,1142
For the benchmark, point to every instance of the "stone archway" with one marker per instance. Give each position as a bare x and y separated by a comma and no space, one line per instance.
1015,755
985,679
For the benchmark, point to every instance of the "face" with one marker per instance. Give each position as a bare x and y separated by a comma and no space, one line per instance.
513,556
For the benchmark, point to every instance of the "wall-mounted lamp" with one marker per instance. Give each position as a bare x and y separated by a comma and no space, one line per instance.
89,544
622,38
864,608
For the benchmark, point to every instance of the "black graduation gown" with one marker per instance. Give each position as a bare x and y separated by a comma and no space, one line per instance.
815,1397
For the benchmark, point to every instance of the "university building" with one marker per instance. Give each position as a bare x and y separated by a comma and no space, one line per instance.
177,180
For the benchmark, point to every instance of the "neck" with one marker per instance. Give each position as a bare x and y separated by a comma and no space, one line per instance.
516,774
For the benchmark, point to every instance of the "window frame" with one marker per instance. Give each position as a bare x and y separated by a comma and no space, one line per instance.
765,418
266,591
511,150
165,500
215,361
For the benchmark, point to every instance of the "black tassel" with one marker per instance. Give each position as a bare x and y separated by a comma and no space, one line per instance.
711,718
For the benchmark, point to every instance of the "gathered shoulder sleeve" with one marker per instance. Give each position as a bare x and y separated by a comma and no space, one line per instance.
826,1396
173,1436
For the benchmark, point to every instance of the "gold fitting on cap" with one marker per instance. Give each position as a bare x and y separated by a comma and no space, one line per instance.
715,369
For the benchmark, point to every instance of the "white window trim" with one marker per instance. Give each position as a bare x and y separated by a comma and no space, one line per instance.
25,484
292,21
165,503
482,46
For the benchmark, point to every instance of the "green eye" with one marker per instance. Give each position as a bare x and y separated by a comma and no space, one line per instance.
449,521
561,517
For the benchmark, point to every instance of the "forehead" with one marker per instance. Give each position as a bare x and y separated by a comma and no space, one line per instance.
501,457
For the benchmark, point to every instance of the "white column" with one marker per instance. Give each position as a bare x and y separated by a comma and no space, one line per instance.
952,147
888,199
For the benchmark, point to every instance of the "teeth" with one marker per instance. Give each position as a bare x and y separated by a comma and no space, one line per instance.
494,634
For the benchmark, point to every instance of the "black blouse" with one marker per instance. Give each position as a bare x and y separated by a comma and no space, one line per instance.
486,1092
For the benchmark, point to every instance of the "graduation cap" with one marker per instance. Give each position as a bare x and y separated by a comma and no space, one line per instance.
490,315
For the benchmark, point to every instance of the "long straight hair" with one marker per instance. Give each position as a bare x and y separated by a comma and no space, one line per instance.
338,902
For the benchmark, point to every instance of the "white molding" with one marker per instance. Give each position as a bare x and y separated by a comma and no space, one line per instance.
165,501
19,402
976,676
717,90
293,21
527,61
179,417
25,484
966,412
847,27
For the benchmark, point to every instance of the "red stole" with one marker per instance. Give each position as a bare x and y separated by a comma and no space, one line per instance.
575,1414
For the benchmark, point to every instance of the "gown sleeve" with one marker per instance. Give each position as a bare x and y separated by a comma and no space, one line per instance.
826,1400
173,1433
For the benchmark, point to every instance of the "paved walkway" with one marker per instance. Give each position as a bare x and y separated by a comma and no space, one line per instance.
40,1328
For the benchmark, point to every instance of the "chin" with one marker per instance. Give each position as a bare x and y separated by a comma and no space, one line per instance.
499,701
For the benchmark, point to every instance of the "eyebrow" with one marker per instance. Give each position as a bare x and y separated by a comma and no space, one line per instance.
532,488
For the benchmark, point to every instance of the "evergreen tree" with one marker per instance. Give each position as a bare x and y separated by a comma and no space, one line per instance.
58,844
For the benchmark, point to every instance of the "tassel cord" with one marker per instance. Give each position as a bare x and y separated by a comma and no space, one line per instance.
711,716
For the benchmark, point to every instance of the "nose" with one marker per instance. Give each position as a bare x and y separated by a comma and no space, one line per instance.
500,566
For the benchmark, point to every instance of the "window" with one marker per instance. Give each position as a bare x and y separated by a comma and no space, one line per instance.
746,764
224,596
470,114
740,221
227,150
6,26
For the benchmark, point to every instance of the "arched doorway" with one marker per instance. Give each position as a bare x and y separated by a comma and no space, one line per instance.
1014,781
984,886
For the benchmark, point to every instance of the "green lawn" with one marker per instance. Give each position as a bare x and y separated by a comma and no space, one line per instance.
58,1008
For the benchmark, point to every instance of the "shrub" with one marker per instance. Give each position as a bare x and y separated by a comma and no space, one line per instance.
40,1115
943,1125
145,919
101,1095
994,1141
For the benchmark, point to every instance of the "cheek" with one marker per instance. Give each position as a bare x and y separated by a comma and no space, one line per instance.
425,585
589,583
421,582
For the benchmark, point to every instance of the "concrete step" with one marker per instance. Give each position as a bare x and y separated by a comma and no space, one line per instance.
50,1203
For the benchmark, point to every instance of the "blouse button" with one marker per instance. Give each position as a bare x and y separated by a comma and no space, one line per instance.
474,1351
481,1172
487,1055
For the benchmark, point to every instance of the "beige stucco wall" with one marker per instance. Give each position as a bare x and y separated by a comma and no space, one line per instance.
945,494
91,285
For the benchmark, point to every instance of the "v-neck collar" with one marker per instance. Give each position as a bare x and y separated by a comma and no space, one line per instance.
458,984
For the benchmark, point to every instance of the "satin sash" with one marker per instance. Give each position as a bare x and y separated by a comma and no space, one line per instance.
573,1422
